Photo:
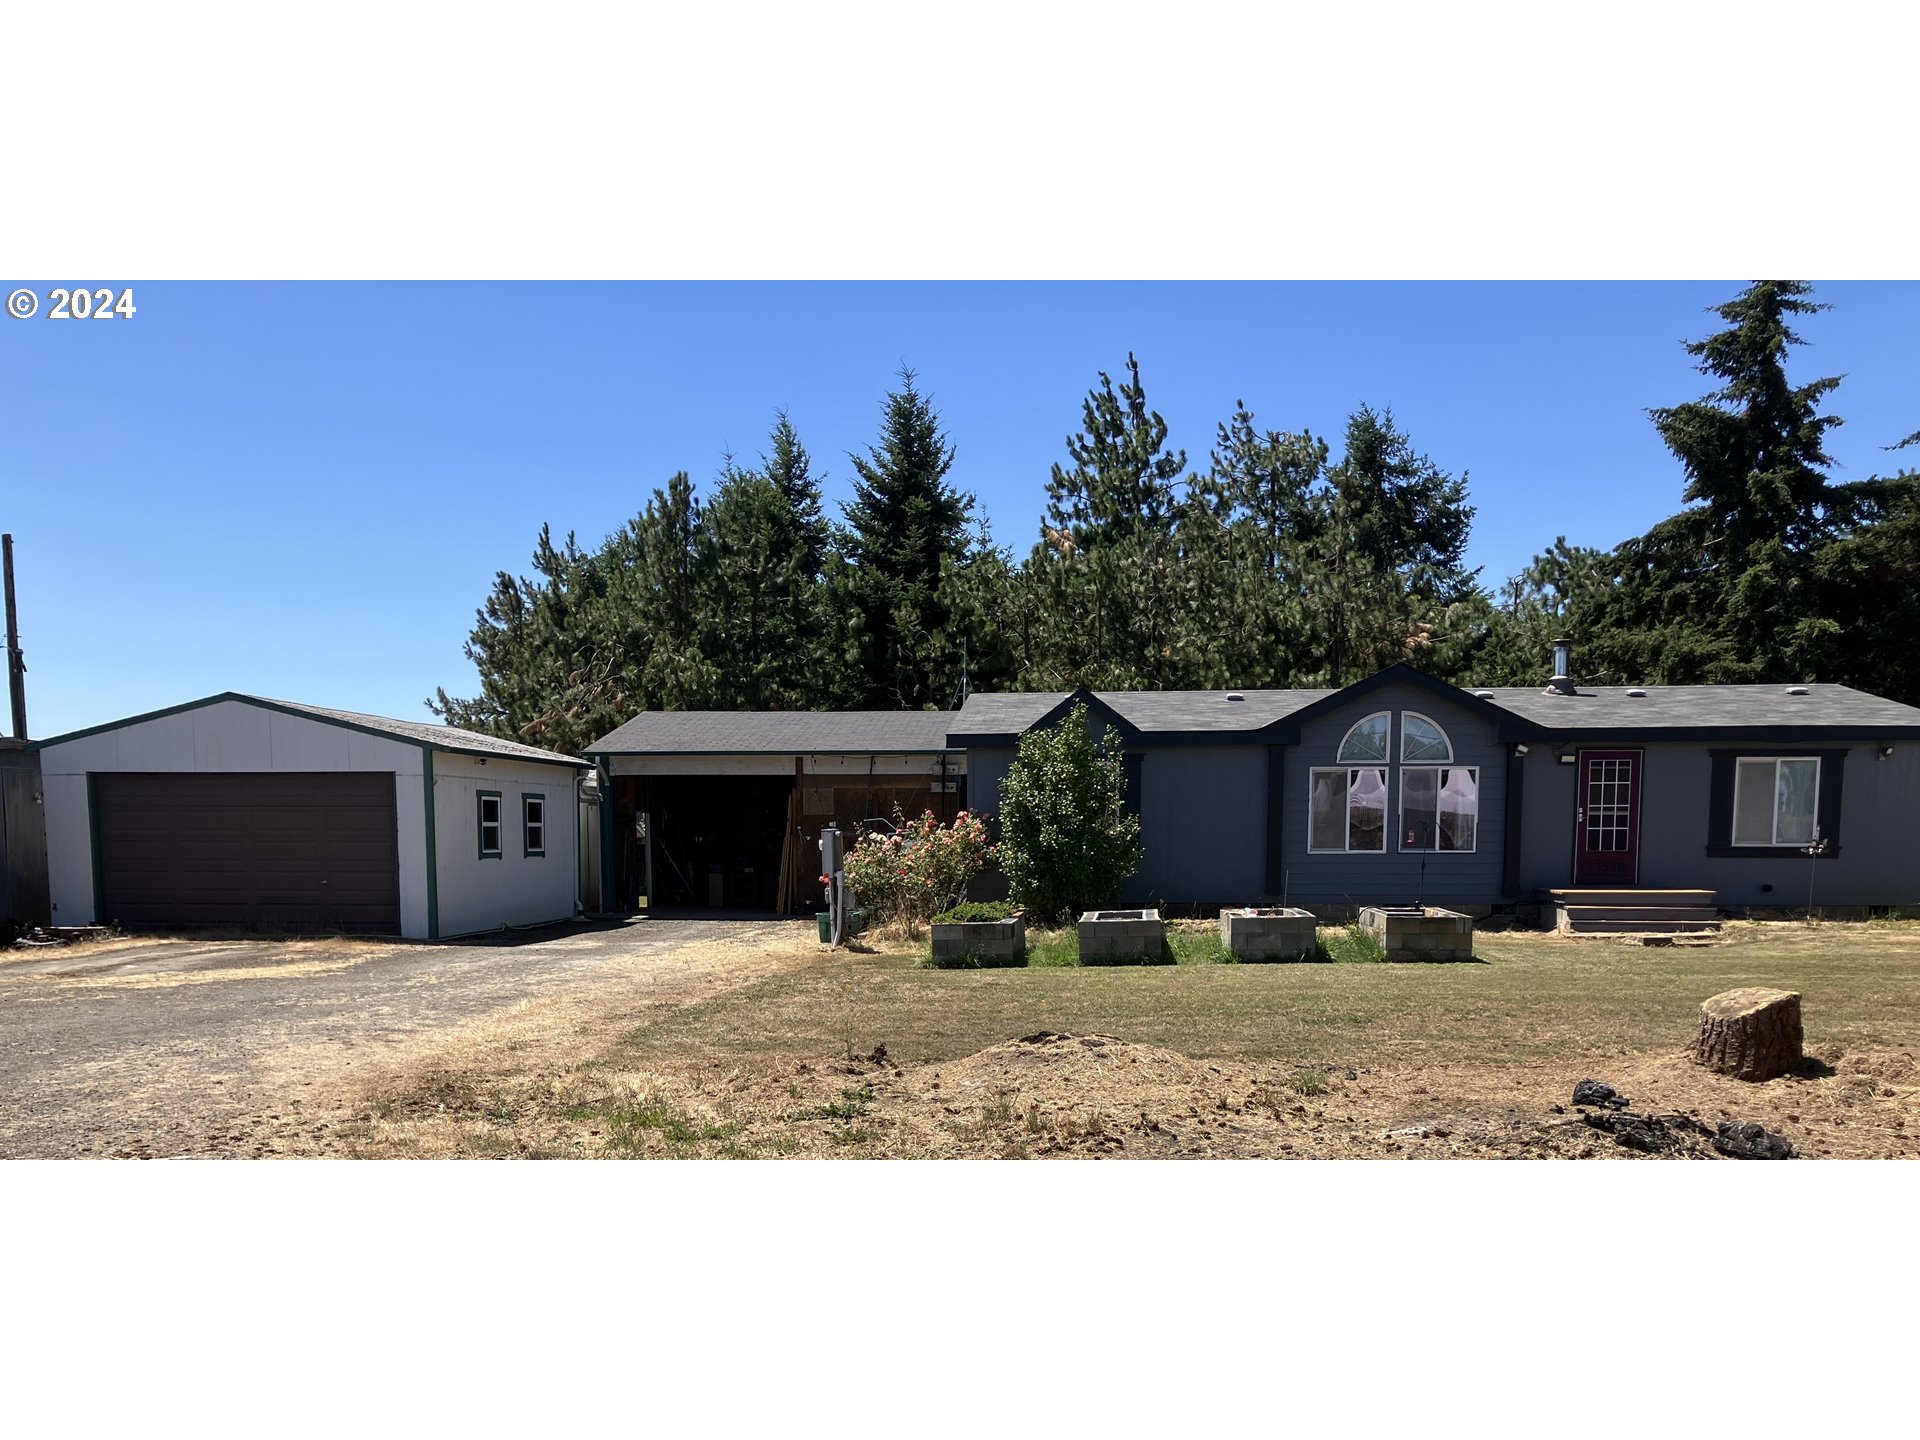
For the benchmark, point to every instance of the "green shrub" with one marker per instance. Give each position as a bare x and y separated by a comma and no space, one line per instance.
977,912
1066,845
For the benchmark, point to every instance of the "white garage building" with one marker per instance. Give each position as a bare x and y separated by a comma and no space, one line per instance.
236,812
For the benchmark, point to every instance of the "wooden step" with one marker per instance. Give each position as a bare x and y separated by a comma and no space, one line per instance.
1640,927
1577,913
1631,896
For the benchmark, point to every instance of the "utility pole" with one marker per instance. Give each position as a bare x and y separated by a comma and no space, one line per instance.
16,663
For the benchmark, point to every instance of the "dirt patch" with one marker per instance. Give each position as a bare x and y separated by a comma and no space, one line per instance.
1053,1094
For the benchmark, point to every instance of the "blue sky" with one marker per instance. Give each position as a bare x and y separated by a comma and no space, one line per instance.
304,490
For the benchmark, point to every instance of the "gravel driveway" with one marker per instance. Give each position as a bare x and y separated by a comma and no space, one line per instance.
241,1047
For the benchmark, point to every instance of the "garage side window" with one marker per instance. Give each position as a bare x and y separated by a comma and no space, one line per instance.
533,824
489,824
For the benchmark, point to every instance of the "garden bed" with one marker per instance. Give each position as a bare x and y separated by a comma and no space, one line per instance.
974,943
1272,933
1123,937
1419,932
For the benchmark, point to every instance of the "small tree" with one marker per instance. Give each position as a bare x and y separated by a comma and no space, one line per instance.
1066,845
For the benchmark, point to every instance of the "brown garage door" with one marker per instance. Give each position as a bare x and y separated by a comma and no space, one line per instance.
278,853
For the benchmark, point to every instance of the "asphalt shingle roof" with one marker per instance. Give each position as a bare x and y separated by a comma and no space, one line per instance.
1145,710
778,732
1692,707
1703,707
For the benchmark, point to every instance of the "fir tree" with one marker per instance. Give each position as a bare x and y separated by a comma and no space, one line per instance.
902,526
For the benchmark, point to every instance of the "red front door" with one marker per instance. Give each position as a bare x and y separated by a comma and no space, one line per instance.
1606,818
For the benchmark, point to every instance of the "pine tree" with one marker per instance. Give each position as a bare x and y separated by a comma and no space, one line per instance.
790,469
1385,569
902,526
1402,513
1119,490
1725,590
757,603
1108,551
1263,490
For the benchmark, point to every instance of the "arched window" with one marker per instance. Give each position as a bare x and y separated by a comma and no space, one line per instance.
1421,741
1366,742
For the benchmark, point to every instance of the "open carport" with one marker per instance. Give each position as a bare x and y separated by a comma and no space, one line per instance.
723,809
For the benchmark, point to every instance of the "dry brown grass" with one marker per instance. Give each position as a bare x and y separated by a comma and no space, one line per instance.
870,1054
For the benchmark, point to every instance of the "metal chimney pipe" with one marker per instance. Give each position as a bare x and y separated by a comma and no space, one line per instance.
1562,681
16,662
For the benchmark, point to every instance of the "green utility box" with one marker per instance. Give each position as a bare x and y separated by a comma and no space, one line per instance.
856,922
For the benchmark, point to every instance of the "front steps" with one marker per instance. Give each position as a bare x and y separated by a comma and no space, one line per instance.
1634,912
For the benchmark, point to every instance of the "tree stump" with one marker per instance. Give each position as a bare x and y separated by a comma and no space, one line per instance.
1750,1034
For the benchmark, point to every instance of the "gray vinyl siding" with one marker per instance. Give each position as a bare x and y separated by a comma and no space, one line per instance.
1394,877
1546,821
1202,820
986,768
1878,861
1203,824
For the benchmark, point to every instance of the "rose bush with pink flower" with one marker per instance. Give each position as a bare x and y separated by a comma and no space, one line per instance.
920,869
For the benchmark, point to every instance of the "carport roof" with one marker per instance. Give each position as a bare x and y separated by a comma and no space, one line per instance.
779,732
440,737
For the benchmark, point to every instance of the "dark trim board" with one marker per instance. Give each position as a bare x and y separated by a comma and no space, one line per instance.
1276,819
1516,810
1768,734
757,754
1508,726
433,848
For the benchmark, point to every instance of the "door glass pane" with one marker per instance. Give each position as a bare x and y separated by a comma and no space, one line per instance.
1419,808
1753,799
1799,783
1367,810
1327,811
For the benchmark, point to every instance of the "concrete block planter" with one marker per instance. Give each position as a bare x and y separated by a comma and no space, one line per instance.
981,942
1269,934
1413,932
1122,937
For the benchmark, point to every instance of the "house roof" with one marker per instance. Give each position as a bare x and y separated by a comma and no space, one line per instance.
1704,707
1147,711
439,737
779,732
1525,711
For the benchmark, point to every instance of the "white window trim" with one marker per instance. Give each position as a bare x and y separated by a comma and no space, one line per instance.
1434,849
498,822
1776,843
1339,753
1346,815
529,798
1416,715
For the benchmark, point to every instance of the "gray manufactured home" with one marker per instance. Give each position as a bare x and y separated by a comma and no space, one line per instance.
1402,789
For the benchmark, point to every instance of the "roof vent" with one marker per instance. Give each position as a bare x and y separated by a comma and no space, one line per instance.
1235,695
1637,693
1483,694
1798,690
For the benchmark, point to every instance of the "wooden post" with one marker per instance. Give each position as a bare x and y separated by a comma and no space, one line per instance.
16,662
1750,1034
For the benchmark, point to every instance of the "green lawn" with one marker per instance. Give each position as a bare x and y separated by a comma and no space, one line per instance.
1527,998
